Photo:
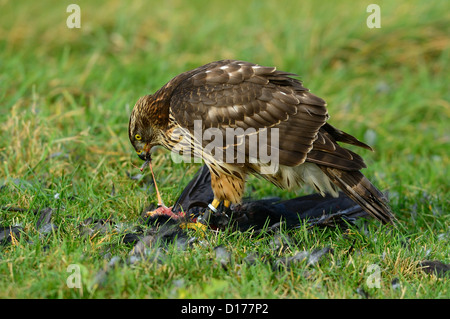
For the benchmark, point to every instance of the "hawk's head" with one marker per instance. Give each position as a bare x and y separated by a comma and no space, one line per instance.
142,129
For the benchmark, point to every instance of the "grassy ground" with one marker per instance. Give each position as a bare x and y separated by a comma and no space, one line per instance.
65,99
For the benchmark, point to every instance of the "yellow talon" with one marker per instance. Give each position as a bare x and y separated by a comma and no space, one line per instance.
195,226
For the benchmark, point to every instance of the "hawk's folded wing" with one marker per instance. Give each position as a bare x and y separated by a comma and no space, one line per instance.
236,94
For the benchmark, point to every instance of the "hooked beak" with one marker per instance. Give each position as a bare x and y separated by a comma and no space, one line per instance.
145,154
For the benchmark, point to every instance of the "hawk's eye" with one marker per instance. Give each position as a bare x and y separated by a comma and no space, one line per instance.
138,137
139,152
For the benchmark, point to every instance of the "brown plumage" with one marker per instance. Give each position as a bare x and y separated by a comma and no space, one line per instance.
254,101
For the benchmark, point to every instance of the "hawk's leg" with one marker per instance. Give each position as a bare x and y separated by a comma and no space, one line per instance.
227,189
220,213
217,209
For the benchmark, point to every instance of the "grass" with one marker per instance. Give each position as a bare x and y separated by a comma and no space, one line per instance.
66,95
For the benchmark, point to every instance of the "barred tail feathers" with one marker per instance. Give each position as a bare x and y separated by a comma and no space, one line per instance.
356,186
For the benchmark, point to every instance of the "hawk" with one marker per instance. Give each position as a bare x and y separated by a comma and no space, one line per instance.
253,100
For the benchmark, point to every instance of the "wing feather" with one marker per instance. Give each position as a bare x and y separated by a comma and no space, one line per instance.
326,151
237,94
